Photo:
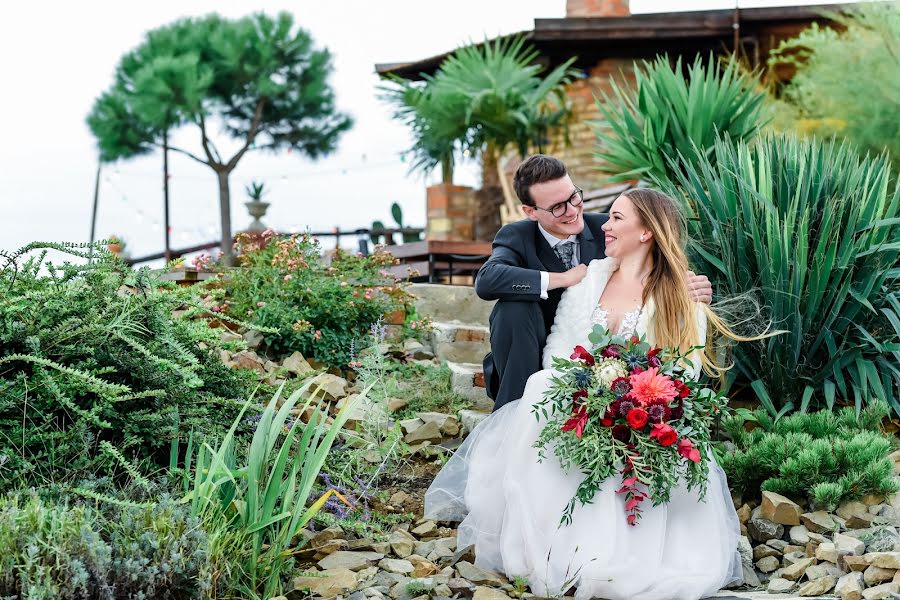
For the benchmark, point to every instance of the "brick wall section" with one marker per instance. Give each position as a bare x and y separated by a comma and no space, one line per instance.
597,8
579,155
451,212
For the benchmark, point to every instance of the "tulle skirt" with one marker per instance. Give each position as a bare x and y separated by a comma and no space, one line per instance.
509,506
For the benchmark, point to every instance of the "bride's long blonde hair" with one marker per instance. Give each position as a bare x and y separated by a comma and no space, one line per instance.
673,325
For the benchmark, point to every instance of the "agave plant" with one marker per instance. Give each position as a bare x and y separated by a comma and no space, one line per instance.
816,229
666,114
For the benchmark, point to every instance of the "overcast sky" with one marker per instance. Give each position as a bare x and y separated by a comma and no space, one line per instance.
58,57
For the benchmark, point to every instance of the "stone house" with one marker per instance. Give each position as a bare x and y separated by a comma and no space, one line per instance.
607,39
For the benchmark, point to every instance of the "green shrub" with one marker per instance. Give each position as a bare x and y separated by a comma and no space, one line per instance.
92,353
824,457
815,229
316,309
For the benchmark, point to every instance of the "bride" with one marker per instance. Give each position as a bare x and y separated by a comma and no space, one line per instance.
509,504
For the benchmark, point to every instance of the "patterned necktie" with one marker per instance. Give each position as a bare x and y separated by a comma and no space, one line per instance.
566,252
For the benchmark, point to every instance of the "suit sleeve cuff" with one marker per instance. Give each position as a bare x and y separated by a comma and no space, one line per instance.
545,284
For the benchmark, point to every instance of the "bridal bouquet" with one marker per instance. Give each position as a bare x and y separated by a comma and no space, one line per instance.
628,408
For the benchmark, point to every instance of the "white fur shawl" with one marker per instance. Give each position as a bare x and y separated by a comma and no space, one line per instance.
572,324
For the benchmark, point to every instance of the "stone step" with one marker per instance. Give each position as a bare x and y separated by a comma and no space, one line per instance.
451,303
465,379
455,342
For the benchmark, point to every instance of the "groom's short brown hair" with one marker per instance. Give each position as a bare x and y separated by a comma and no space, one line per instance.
537,168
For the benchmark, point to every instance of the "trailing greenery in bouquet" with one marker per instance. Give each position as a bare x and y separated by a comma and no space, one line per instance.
628,408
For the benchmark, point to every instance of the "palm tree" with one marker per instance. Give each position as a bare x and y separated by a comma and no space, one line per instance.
508,105
482,101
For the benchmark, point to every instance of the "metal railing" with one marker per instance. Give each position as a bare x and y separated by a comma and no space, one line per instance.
363,236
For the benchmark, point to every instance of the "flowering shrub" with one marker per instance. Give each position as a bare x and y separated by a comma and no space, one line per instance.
638,410
317,309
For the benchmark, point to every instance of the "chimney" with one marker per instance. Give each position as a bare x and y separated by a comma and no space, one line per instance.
597,8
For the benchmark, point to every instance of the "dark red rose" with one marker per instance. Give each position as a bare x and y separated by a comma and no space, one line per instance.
677,411
581,354
637,418
683,390
578,395
621,433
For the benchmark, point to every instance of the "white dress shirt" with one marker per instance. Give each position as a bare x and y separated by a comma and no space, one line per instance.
553,241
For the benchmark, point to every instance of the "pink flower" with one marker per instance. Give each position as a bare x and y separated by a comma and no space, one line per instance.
664,434
343,283
260,304
651,385
317,335
288,277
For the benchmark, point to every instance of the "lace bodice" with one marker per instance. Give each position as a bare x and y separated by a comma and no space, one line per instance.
629,323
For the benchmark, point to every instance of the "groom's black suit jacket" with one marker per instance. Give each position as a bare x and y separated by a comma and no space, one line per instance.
512,275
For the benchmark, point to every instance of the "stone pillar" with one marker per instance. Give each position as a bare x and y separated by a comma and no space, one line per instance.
597,8
451,211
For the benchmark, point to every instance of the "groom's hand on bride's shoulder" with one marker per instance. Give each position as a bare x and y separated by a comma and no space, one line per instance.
567,279
699,287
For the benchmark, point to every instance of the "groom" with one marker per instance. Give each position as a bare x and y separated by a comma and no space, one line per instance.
532,262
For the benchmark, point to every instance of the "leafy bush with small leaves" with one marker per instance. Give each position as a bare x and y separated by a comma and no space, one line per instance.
823,457
92,353
317,309
60,549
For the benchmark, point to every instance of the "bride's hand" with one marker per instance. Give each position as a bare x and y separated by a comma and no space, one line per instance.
699,287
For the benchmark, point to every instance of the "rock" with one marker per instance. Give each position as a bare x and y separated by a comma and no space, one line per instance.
253,338
777,585
881,539
850,508
751,579
327,386
872,499
881,591
762,529
296,364
822,569
448,424
764,550
425,529
247,359
354,561
799,535
861,521
850,586
848,545
463,554
767,564
817,587
327,583
428,432
777,544
827,552
396,565
818,521
885,560
778,509
796,570
476,575
875,575
791,557
469,419
399,498
395,404
402,543
461,586
486,593
855,563
424,568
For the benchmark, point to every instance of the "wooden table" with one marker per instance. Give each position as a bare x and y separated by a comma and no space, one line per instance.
434,259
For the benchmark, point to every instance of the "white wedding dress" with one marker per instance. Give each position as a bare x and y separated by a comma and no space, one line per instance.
509,504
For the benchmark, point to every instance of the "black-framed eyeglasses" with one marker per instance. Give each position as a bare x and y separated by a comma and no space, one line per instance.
559,209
